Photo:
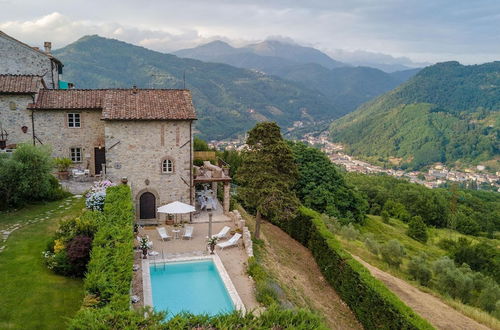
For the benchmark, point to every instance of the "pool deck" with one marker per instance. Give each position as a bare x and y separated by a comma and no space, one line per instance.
234,259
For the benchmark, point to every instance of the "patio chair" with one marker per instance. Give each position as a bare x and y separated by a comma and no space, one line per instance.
188,232
233,241
163,233
223,232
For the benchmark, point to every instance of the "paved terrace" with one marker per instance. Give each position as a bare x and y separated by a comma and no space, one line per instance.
234,259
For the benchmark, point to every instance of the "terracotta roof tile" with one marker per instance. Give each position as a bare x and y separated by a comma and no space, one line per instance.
20,84
69,99
122,104
148,104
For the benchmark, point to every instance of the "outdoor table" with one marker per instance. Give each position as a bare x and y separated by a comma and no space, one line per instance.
176,233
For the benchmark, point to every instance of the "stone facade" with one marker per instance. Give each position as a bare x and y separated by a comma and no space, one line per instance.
136,149
14,115
19,58
51,127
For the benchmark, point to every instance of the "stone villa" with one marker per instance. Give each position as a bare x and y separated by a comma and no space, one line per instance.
144,135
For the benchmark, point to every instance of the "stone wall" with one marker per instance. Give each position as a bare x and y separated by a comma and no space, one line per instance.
17,58
135,149
52,129
14,115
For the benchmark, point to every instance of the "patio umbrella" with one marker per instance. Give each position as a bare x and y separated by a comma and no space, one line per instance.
176,208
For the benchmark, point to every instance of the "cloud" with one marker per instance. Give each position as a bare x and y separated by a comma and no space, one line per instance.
62,30
423,31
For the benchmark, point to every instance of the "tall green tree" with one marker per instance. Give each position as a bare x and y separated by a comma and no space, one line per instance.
267,174
322,187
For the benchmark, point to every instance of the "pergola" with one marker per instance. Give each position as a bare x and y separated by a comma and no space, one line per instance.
212,174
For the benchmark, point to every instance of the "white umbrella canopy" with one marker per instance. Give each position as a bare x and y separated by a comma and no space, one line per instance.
176,208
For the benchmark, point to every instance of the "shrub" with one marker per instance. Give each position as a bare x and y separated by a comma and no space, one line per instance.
109,273
78,250
97,195
420,270
374,305
385,216
95,201
392,252
417,229
62,164
26,177
466,225
271,318
372,245
349,232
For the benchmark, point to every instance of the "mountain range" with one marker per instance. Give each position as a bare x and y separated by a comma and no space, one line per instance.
311,88
447,113
228,100
345,85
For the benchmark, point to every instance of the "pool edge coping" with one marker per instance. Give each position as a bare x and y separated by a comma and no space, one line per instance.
226,279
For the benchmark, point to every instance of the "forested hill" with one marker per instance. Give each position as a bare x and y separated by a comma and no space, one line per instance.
447,113
228,100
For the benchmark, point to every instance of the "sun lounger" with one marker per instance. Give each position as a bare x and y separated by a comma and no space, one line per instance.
188,232
233,241
223,232
163,233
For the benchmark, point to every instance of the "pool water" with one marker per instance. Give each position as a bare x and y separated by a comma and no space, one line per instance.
195,287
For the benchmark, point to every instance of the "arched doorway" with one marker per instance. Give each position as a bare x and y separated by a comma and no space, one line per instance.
147,206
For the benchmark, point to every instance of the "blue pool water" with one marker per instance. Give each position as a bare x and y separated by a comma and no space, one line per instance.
194,287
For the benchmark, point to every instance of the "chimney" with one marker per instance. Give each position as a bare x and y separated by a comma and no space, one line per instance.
48,46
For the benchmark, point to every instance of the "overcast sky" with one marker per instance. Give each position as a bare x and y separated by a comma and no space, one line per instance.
423,31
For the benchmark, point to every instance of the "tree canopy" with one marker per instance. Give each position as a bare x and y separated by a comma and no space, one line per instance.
321,186
267,174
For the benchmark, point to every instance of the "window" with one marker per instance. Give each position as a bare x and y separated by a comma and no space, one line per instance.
76,155
74,120
167,166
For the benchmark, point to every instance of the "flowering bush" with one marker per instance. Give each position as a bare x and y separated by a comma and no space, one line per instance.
68,252
58,245
95,201
97,194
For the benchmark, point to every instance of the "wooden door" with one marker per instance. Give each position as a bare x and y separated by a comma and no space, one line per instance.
99,159
147,206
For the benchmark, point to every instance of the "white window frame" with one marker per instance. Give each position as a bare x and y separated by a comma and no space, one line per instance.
72,120
167,166
75,154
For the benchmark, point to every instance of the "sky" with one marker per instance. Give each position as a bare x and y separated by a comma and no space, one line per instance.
398,31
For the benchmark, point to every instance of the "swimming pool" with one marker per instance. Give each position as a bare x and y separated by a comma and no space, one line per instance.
192,286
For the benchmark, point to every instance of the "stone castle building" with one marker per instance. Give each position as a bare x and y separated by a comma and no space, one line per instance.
20,59
144,135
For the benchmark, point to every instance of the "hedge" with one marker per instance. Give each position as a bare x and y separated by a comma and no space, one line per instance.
374,305
109,274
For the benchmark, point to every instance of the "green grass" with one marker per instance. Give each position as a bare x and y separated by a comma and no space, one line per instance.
396,229
32,297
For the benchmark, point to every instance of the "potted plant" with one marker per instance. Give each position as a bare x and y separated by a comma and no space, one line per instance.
62,165
170,220
212,242
144,246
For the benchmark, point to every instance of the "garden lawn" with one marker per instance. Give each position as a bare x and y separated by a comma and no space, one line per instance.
31,296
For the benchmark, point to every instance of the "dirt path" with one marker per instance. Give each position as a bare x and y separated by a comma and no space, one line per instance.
429,307
294,267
